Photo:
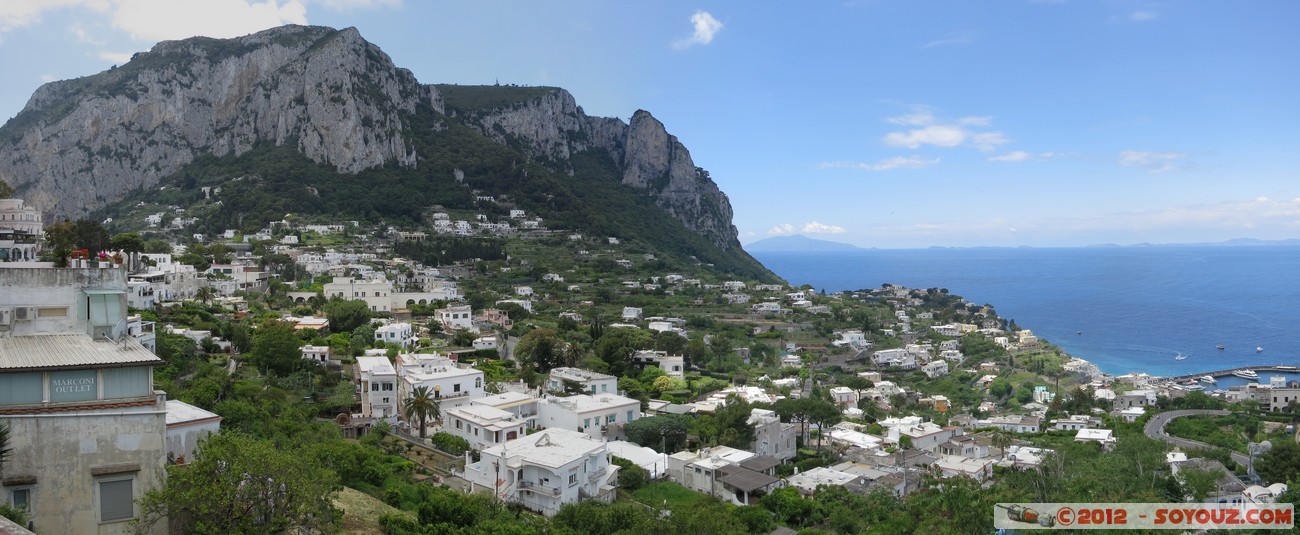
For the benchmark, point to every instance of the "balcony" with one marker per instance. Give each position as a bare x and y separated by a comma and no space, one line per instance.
539,488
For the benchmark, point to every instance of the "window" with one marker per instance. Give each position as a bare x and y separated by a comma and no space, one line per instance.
385,400
388,387
374,387
116,500
573,479
52,312
586,422
478,382
455,387
610,419
604,388
21,497
457,424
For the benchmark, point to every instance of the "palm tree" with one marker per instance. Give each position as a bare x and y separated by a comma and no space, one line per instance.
205,293
5,450
1001,441
422,405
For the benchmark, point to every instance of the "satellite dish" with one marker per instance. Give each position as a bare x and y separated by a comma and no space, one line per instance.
118,330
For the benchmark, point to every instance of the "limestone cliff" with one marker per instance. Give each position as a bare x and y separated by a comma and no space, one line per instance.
80,144
553,127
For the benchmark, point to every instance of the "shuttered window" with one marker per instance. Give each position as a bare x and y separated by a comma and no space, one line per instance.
115,500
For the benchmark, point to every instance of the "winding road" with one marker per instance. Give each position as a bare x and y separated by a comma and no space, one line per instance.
1156,429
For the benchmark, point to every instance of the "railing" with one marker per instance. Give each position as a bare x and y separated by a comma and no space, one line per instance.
535,486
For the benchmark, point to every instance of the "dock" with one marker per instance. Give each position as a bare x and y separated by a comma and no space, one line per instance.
1279,368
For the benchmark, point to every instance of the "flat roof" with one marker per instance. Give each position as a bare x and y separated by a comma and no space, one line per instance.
744,479
552,447
71,351
180,412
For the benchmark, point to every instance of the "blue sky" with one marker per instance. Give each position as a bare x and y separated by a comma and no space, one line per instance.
882,124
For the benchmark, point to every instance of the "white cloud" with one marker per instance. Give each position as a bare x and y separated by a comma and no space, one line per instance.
933,131
1143,16
813,227
47,78
705,28
349,5
84,36
19,13
156,20
117,58
897,162
1013,156
1153,162
784,229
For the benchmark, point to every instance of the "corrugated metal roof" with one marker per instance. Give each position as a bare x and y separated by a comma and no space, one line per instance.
42,352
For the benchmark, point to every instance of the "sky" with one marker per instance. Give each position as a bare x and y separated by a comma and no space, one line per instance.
890,124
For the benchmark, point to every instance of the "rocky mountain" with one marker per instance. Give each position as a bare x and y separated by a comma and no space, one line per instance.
80,145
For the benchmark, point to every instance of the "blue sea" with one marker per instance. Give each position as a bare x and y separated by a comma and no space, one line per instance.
1137,307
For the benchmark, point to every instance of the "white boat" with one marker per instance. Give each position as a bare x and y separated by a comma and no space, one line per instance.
1246,374
1180,357
1208,379
1259,349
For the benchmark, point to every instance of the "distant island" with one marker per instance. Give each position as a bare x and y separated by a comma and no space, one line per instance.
797,243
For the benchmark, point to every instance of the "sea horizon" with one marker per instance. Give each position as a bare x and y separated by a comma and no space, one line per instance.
1124,308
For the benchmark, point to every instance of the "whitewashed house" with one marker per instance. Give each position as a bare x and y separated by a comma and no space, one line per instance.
546,470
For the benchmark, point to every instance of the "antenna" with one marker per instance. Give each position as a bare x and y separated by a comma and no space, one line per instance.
118,330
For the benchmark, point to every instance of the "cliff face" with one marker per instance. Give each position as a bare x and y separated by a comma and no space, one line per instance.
80,144
554,127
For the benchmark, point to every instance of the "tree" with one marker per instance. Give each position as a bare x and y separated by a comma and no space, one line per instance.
205,294
540,348
1281,463
6,191
241,484
422,406
129,242
276,348
346,314
1199,482
665,432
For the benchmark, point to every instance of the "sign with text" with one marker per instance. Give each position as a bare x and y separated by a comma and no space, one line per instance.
78,385
1179,516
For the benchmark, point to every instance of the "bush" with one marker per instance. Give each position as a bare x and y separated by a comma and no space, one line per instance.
450,443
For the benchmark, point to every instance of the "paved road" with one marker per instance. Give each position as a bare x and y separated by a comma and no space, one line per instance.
1156,429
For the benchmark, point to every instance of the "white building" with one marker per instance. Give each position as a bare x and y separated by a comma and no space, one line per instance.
21,232
398,333
844,396
87,427
631,313
721,472
376,292
453,384
937,368
455,317
546,470
377,384
317,354
589,381
186,426
482,426
594,415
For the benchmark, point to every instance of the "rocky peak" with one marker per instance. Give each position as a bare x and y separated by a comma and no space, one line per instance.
79,144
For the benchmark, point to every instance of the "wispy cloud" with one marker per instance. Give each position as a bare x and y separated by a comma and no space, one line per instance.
1153,162
705,28
931,130
346,6
1143,16
156,20
1013,156
897,162
814,227
117,58
952,38
784,229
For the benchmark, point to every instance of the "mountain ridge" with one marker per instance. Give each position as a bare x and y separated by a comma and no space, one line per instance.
81,145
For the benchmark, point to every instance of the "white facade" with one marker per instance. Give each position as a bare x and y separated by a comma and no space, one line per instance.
399,333
592,415
546,470
377,381
482,426
455,317
376,292
938,368
316,354
453,384
771,437
21,232
591,382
